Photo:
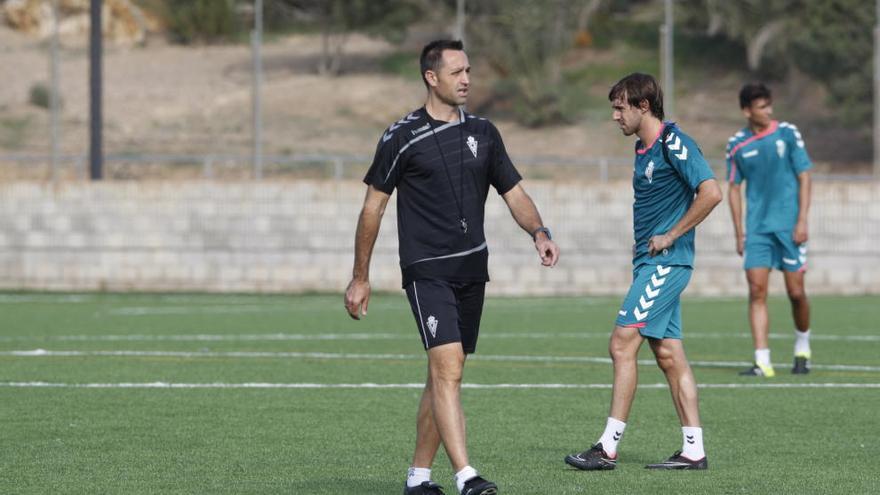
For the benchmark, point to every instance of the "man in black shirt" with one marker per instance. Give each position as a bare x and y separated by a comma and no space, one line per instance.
442,161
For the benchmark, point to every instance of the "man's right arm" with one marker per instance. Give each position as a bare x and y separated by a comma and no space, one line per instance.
734,198
357,295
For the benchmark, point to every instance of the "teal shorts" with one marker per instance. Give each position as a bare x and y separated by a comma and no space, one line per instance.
774,250
653,303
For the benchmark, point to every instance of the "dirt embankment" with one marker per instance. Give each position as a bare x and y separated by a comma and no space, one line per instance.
168,99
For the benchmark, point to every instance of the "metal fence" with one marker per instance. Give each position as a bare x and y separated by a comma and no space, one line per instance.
121,166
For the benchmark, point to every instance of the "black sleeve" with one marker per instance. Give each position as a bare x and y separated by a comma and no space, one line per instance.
502,174
385,172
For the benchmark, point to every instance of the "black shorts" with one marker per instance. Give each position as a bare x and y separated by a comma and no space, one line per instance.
447,312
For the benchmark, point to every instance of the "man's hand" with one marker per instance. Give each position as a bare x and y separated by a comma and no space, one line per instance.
801,233
357,298
740,244
658,243
547,250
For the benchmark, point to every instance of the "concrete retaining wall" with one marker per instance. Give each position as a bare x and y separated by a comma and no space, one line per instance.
298,236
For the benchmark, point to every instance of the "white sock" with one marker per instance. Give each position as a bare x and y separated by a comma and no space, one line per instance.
692,443
802,342
611,437
466,473
415,476
762,356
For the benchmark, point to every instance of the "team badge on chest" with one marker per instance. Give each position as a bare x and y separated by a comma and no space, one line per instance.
649,172
780,148
472,144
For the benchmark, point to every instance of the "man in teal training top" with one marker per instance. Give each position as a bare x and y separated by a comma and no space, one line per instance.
769,156
674,191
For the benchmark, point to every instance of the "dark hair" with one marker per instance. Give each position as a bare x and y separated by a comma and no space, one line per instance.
432,54
637,87
753,91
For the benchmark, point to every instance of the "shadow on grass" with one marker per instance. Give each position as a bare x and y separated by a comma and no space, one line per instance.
353,485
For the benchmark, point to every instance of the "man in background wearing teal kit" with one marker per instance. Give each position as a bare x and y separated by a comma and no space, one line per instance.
770,157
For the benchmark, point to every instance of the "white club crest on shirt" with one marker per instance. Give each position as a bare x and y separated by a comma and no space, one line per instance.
432,325
780,148
649,172
472,144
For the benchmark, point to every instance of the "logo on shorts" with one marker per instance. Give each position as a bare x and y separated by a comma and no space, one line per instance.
649,172
780,148
472,144
432,325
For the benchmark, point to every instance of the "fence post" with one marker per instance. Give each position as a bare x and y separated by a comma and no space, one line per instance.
338,168
208,167
257,88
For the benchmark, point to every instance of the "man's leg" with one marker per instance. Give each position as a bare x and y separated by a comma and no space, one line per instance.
418,477
759,320
446,363
800,305
800,309
683,387
624,351
673,362
427,436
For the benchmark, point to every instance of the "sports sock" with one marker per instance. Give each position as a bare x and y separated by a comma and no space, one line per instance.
762,356
692,445
802,342
464,475
415,476
613,432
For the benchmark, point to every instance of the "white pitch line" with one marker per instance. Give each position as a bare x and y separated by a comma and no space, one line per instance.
478,386
280,336
395,357
61,299
187,310
264,337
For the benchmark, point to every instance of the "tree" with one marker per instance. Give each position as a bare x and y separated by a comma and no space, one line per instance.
761,25
830,41
200,20
524,41
833,43
339,18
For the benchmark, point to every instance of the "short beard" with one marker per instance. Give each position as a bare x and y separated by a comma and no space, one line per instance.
450,101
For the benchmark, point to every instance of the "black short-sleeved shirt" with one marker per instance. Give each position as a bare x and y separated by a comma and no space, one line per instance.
432,197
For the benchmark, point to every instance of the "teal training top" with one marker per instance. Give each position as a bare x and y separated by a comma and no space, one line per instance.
770,163
663,193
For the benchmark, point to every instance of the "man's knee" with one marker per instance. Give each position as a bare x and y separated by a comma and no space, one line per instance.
665,359
757,291
446,365
445,376
621,348
668,357
797,295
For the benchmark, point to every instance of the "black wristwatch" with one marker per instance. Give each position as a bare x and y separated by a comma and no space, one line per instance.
544,230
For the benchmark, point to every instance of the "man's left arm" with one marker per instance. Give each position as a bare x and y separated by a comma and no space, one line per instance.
801,230
708,197
800,163
523,210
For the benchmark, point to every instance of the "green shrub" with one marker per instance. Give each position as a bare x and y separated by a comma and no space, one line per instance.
192,21
39,95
